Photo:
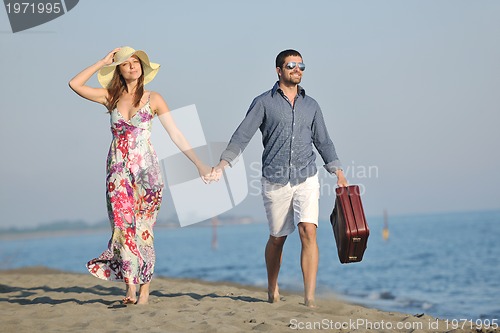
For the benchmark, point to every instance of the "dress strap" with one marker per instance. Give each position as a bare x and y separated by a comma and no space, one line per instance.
149,102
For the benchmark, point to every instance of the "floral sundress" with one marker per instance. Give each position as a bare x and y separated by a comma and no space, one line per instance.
134,191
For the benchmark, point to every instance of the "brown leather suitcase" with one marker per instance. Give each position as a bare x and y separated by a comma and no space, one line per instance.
349,224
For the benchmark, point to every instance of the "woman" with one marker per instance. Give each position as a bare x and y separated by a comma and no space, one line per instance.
133,178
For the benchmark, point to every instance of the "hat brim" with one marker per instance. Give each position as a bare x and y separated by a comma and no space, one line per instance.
150,69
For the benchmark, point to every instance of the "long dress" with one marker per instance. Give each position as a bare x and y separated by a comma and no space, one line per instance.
134,191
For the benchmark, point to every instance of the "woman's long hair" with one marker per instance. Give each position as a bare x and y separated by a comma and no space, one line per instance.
118,85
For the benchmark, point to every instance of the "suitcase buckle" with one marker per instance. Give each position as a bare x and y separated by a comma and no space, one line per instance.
356,239
353,258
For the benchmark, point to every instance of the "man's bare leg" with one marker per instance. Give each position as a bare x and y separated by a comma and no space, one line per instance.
273,254
309,258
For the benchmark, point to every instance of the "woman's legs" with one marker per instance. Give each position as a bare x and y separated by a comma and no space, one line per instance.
130,296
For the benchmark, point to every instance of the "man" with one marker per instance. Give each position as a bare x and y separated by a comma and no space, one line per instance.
290,122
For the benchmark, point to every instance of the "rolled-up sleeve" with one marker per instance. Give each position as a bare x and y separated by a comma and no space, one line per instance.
244,133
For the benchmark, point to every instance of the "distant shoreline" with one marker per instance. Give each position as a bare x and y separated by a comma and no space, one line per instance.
61,228
58,229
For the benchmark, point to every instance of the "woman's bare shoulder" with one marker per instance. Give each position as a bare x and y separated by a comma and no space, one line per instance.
158,103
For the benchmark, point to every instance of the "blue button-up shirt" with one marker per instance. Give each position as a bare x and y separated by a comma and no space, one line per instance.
287,135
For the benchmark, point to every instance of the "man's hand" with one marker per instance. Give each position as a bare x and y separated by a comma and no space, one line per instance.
341,180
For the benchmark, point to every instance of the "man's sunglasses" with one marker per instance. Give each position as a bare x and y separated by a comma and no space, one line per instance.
291,65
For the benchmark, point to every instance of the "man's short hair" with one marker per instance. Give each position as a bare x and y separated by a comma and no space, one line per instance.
280,58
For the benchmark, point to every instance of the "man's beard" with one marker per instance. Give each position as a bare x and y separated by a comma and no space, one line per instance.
294,80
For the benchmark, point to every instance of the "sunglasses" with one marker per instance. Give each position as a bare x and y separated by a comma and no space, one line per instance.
291,65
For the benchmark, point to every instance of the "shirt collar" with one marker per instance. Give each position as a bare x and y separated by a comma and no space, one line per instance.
276,88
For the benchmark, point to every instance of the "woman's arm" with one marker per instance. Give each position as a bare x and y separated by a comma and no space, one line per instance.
78,85
159,105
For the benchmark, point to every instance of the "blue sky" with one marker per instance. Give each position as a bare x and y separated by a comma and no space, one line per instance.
409,90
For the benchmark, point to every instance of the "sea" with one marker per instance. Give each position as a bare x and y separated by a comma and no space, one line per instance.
446,265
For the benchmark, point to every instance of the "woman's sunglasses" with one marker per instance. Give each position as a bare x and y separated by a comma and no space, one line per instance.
291,65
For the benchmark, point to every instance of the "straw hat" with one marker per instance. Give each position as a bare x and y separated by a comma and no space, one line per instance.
106,73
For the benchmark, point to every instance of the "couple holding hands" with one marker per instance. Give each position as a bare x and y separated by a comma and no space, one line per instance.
291,122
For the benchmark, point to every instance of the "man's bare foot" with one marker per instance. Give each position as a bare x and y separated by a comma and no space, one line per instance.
273,297
311,304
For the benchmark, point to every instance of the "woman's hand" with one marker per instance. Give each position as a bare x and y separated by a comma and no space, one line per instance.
79,82
108,59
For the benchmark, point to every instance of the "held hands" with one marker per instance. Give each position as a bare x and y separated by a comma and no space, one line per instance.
219,169
213,174
209,174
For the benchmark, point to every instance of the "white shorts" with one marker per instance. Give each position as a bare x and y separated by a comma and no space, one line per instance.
288,205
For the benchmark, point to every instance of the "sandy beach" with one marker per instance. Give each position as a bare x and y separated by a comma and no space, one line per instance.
39,299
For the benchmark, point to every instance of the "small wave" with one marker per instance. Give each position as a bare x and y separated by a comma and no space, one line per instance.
382,295
386,298
492,315
410,303
427,306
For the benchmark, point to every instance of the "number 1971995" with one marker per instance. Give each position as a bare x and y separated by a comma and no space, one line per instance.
33,8
471,324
